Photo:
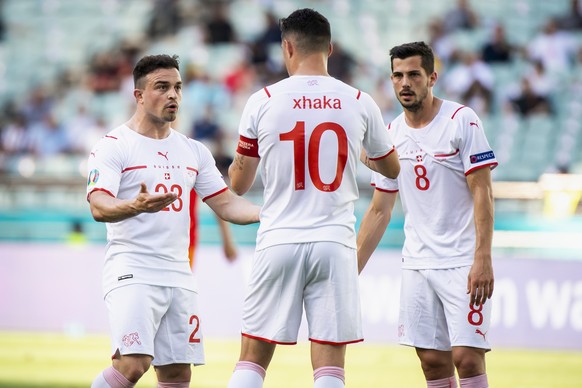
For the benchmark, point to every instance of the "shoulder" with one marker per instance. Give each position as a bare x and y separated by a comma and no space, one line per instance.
458,112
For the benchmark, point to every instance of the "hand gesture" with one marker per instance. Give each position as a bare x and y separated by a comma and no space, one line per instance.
152,203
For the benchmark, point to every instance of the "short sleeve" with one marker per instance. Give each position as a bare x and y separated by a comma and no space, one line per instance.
209,181
105,166
474,148
380,182
377,142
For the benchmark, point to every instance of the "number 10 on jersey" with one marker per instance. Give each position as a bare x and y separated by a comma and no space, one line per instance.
297,136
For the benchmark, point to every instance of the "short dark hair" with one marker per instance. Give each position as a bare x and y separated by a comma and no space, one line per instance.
311,30
151,63
412,49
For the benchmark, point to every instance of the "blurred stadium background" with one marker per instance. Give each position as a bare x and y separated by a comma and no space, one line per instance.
65,81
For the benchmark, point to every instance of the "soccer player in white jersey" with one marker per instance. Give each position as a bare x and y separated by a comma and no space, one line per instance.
445,189
307,131
140,178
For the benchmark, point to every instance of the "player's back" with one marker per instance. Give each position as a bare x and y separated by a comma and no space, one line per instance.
310,131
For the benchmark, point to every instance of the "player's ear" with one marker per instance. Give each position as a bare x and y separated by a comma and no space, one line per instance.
137,94
433,78
330,50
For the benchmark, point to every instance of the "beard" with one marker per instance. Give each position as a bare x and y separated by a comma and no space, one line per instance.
416,104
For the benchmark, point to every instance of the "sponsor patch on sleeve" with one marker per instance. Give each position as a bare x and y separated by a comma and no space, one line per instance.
481,157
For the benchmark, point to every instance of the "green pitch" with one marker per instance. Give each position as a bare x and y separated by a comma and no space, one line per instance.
53,360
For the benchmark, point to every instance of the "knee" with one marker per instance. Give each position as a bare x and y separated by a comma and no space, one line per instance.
469,362
435,364
174,373
133,367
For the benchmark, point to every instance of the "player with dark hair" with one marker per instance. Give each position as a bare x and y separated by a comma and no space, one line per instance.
147,281
445,188
308,131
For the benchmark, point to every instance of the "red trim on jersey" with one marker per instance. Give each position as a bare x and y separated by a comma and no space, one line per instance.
94,190
490,165
215,194
385,190
336,343
453,116
248,147
267,340
445,155
382,157
389,124
192,169
133,168
111,137
359,94
267,91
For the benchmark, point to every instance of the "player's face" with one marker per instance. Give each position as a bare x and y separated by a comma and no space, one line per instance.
162,95
411,83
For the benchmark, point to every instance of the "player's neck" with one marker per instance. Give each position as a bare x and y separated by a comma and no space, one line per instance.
148,128
310,65
425,114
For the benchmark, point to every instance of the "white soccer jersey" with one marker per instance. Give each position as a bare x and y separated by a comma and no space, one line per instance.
437,203
151,248
309,131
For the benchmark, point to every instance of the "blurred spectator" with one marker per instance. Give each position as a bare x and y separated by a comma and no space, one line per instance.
272,33
471,81
15,138
541,82
201,91
260,49
498,49
165,19
207,130
527,102
441,42
37,106
571,20
218,28
48,137
77,128
104,73
461,17
341,63
241,78
554,48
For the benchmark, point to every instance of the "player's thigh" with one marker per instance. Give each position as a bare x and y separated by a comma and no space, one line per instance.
179,339
468,325
331,295
135,313
273,306
422,321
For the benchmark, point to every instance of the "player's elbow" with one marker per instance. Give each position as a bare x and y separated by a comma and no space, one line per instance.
98,215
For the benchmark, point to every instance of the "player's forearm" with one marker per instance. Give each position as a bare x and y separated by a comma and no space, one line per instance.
484,218
389,166
241,176
233,208
105,208
372,229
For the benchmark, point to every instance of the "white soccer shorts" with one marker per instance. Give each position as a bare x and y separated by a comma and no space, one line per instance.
159,321
323,276
435,311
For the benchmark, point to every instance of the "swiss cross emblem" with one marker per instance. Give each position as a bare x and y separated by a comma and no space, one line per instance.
419,158
167,176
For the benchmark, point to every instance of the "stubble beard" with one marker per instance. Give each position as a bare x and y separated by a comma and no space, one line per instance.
415,105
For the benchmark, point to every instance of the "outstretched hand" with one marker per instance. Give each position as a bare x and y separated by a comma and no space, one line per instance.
152,203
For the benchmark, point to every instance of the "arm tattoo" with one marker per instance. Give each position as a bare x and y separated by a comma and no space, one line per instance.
238,162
